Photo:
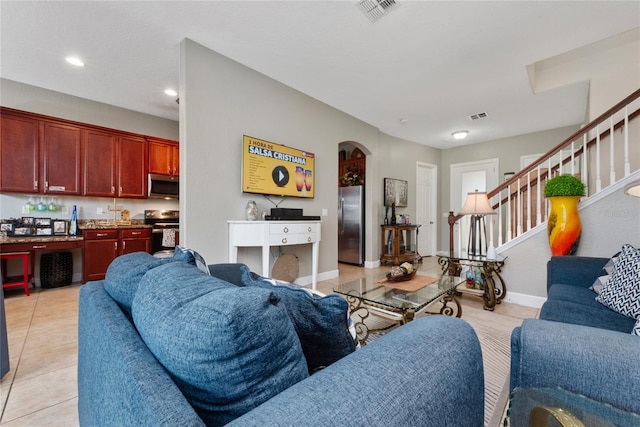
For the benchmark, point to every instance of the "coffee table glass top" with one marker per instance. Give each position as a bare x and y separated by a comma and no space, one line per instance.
370,290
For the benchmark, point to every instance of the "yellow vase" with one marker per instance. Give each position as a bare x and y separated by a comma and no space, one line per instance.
564,225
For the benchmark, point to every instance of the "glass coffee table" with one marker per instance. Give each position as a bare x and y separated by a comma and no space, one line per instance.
398,302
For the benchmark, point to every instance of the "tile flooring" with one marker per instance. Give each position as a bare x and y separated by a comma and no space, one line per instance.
41,388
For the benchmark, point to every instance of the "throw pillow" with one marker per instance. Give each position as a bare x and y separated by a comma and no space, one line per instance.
192,257
125,273
227,348
622,292
321,322
636,328
603,278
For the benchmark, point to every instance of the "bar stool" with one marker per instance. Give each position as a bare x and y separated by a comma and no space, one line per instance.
24,282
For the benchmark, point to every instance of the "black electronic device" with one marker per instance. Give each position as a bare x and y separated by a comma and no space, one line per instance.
286,212
292,218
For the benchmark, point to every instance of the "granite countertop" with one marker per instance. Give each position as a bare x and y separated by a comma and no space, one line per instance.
89,224
40,239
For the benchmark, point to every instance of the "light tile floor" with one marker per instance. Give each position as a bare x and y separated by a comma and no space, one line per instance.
41,388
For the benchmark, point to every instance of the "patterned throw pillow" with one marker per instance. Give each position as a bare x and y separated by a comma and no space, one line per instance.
605,273
636,328
192,257
622,291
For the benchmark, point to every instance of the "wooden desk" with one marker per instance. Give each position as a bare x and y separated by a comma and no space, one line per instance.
275,233
36,244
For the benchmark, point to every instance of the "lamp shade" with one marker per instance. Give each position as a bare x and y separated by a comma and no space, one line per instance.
633,189
477,203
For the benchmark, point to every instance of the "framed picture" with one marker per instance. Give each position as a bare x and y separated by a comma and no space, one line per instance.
43,222
44,231
7,227
22,231
395,191
28,221
59,227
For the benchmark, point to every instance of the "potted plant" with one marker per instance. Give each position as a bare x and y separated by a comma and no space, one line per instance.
563,225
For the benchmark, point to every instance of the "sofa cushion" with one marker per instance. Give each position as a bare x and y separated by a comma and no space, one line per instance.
597,316
227,348
574,294
622,292
321,322
125,273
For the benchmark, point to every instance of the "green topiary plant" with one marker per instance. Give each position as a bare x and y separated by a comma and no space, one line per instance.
564,185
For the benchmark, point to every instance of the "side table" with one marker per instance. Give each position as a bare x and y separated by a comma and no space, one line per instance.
494,288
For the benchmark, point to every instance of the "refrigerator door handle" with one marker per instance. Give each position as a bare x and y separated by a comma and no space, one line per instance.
341,215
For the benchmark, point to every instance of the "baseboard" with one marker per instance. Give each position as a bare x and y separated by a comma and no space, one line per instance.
327,275
524,299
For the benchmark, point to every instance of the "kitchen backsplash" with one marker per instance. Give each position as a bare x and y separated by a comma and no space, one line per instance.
60,207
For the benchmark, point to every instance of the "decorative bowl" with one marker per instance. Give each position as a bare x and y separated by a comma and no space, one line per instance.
402,278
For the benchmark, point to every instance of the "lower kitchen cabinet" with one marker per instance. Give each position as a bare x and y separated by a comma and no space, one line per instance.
102,246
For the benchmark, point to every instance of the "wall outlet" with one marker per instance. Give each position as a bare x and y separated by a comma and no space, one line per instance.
325,212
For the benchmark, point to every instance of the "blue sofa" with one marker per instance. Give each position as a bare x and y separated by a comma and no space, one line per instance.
400,379
578,345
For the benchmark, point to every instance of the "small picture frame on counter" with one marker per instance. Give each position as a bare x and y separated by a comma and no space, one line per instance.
60,227
22,231
44,231
28,221
43,222
7,227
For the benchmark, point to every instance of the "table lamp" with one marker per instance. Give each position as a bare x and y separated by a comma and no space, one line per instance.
477,205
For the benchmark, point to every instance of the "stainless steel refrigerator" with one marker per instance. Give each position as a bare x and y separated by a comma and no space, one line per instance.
351,225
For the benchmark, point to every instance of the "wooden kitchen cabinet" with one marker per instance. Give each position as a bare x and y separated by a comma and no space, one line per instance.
135,240
102,246
100,249
19,153
60,158
164,157
114,165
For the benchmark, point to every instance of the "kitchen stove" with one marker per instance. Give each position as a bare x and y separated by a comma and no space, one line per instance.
164,231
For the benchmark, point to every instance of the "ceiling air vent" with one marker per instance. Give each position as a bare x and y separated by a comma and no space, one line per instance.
477,116
376,9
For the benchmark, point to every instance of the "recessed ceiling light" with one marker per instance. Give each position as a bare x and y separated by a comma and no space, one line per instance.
171,92
460,134
75,61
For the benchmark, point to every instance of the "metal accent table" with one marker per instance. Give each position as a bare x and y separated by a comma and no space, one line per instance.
493,291
368,296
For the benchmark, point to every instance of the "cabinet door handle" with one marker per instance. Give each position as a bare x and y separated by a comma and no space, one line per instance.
124,245
309,229
309,239
39,246
46,185
102,234
120,190
135,233
284,240
286,229
35,185
113,189
115,246
169,169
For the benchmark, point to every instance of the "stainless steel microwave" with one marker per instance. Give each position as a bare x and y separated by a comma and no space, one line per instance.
163,186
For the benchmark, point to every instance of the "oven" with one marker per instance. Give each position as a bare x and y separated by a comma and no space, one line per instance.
164,231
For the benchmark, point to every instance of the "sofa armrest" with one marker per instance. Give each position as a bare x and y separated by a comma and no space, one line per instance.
120,382
597,363
574,270
419,372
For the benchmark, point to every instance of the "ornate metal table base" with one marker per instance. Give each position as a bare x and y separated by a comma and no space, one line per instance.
494,290
398,316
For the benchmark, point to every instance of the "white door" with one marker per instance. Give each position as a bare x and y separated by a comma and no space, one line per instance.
466,178
426,207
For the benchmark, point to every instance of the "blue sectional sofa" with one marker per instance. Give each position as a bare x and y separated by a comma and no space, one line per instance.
578,347
163,343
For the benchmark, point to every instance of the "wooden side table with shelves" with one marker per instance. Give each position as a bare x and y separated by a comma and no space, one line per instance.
493,289
399,243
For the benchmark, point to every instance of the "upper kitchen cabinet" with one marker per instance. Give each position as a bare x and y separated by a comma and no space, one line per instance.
164,157
114,165
61,154
38,155
19,149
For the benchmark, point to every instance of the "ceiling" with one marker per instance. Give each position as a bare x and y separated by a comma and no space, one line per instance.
418,73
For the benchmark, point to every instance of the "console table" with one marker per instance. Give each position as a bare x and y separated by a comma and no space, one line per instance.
266,234
494,288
